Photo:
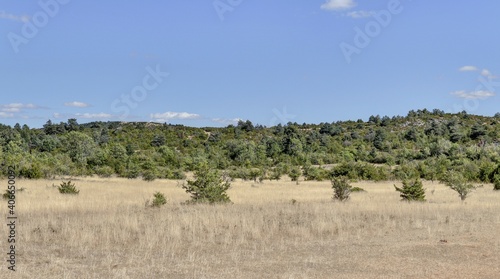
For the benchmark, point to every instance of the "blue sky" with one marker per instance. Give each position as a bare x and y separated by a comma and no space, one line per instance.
209,63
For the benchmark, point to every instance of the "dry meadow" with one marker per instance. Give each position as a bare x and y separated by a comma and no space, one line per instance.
273,230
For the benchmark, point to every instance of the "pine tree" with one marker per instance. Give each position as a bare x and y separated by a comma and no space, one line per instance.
209,186
412,190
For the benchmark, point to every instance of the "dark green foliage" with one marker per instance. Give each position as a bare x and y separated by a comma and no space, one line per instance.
360,171
412,190
68,188
330,129
176,174
422,144
276,174
314,173
104,171
209,186
149,175
496,182
159,200
294,174
158,140
31,172
341,188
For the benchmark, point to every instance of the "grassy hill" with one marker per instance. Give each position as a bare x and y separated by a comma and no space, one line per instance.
424,143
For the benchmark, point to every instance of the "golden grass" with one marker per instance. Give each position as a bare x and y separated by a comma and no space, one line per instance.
107,232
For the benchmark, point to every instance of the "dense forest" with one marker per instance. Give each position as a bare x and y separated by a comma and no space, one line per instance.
425,144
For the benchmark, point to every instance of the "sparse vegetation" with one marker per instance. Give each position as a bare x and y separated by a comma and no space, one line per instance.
7,195
115,224
357,189
68,188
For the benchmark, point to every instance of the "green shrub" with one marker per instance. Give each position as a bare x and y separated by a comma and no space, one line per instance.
457,182
275,174
132,172
241,173
341,188
294,174
412,190
496,182
406,171
314,173
68,188
149,175
104,171
254,173
359,170
159,200
209,187
177,174
32,172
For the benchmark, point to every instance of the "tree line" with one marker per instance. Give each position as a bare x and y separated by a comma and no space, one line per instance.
424,144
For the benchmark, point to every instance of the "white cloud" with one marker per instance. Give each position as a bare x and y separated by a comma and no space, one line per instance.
361,14
226,121
169,115
77,104
487,73
19,106
6,115
335,5
101,115
23,18
16,107
93,115
468,69
7,109
479,94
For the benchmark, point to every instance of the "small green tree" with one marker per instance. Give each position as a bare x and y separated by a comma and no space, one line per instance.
254,174
412,190
459,184
68,188
159,200
209,187
295,174
341,188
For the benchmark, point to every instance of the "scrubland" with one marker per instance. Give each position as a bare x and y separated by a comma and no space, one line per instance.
272,230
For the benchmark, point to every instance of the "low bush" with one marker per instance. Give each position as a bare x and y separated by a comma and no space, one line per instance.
341,188
159,200
68,188
496,182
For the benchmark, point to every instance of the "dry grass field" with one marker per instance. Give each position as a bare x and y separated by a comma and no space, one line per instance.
107,232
